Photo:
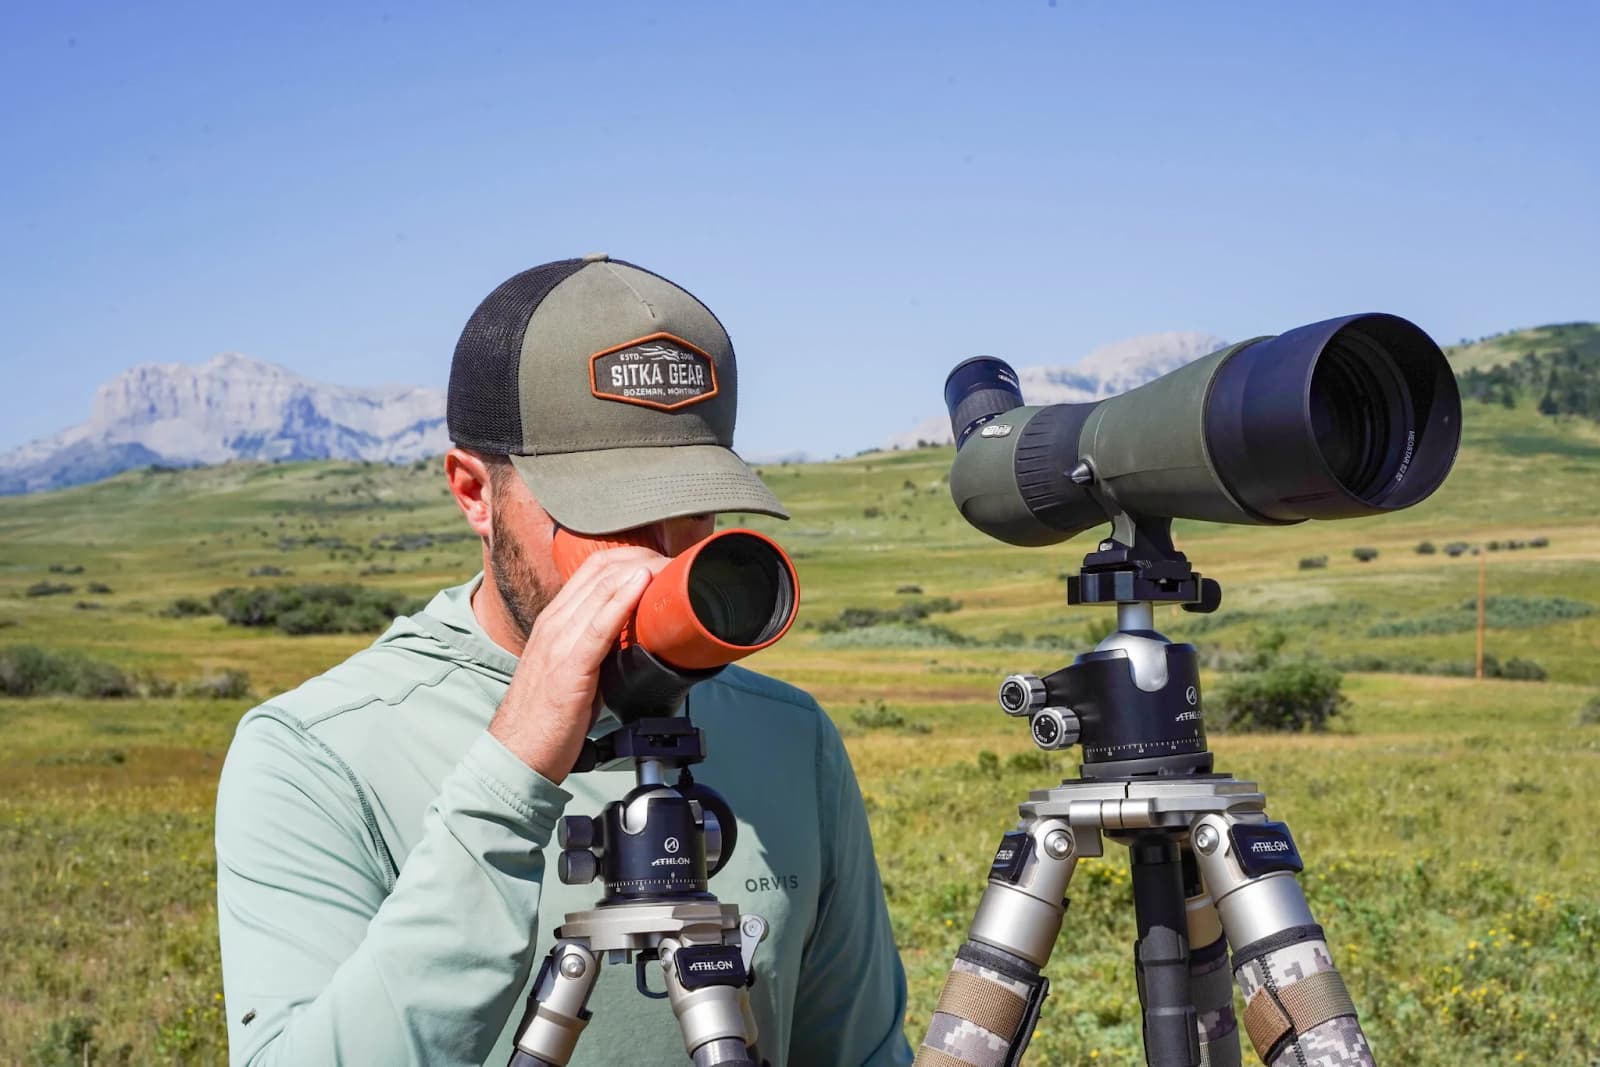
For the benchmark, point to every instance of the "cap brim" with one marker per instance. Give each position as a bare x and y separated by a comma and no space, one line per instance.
619,488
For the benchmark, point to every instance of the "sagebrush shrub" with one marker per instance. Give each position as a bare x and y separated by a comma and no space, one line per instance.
1290,696
26,670
313,609
229,684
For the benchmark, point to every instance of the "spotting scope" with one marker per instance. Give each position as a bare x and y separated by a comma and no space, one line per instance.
1345,417
721,599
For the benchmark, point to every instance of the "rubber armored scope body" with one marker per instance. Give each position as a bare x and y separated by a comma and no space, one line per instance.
1350,416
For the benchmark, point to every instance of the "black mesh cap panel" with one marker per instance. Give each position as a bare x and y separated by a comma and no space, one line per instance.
483,409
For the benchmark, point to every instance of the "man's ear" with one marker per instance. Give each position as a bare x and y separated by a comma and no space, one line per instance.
468,478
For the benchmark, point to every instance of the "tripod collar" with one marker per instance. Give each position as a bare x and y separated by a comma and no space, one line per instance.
1139,563
671,741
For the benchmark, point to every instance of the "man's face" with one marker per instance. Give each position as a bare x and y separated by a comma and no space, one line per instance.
522,567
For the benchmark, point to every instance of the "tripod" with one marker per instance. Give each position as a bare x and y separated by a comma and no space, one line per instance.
651,849
1209,871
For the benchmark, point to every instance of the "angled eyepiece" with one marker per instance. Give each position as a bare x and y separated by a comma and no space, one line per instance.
976,391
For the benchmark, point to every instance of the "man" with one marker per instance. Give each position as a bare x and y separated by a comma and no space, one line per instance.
384,877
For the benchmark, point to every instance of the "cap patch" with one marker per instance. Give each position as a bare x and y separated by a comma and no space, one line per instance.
659,371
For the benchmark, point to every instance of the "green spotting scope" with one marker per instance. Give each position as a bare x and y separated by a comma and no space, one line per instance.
1346,417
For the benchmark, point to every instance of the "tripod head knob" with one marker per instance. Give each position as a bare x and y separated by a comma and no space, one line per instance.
577,866
713,832
575,831
1022,694
1054,728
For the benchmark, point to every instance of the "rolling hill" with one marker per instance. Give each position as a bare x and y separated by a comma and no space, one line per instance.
1505,348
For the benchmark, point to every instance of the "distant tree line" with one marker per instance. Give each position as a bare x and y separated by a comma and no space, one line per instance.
1566,381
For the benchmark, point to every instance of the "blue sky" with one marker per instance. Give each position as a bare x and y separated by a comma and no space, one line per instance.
865,193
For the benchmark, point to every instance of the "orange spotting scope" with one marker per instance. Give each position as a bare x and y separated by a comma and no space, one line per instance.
719,600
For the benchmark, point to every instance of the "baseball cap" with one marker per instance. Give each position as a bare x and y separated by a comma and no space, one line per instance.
612,390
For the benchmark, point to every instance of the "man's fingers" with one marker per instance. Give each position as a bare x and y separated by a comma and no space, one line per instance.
609,606
590,573
552,698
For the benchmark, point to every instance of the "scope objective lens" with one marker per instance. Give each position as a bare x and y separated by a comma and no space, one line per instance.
740,590
1360,413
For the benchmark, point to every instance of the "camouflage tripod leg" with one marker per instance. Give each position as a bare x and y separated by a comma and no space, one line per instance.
990,1003
1298,1012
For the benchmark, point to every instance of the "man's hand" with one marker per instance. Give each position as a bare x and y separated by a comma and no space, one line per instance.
553,697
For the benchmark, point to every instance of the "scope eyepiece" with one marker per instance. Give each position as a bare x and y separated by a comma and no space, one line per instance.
976,391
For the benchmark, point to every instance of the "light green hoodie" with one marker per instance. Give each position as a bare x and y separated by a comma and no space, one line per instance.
382,890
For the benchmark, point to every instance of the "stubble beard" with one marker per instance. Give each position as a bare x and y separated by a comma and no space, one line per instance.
521,591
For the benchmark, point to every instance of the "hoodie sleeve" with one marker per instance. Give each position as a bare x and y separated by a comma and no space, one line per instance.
328,959
850,1007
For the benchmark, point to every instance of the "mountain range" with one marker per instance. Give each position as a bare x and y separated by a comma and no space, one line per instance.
229,407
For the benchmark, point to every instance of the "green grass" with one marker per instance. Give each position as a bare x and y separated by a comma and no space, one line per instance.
1445,821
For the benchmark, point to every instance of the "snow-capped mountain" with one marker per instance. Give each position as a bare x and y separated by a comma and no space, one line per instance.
1106,371
229,407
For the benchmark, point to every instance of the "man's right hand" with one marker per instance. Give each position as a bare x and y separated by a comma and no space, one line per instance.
554,694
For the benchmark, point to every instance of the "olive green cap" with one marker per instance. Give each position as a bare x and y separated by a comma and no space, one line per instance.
613,391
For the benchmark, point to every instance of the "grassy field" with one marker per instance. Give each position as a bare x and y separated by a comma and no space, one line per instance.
1445,821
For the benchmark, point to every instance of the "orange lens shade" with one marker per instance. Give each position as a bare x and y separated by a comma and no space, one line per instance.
667,622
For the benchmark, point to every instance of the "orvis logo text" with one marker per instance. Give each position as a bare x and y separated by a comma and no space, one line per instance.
776,881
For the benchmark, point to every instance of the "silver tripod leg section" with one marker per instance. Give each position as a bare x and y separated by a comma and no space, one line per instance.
708,988
557,1008
1297,1009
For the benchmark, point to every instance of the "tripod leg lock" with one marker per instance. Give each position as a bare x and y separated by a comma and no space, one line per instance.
1297,1009
557,1006
986,1014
